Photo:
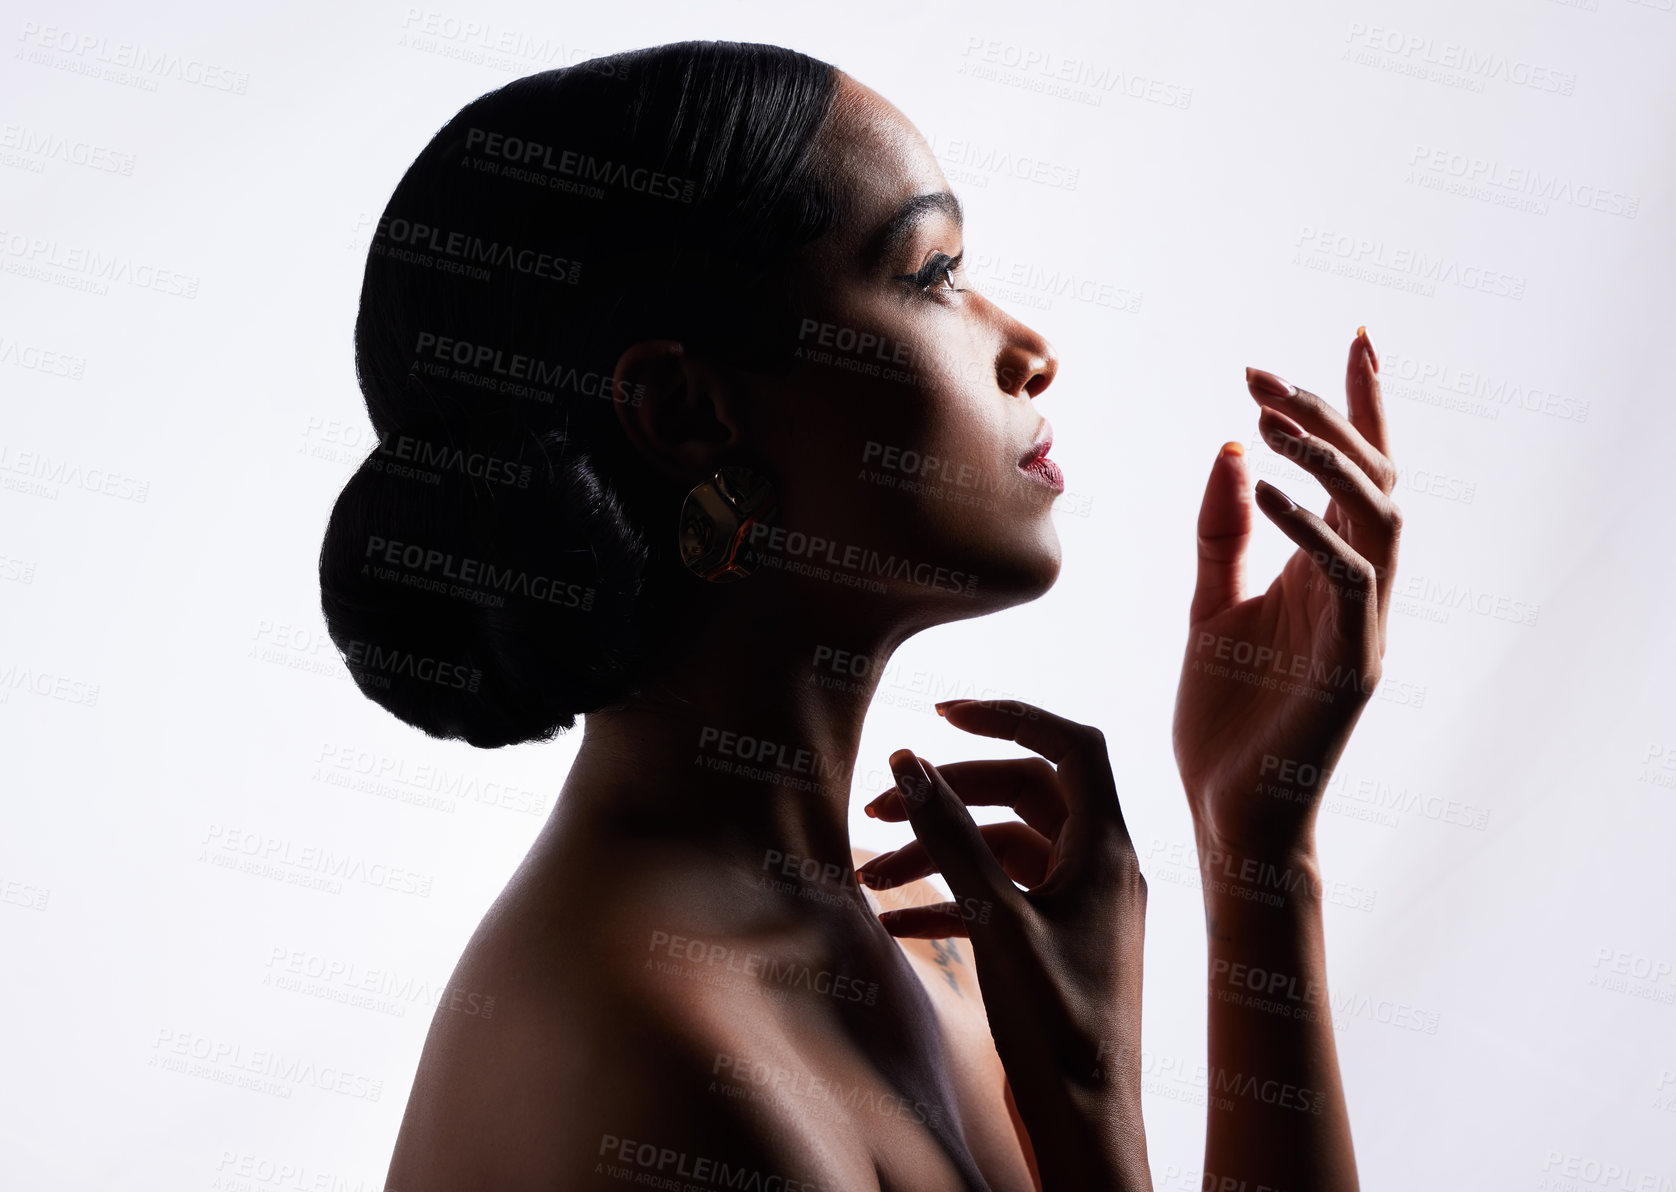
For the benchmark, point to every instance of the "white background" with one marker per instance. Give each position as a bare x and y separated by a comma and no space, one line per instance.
1487,186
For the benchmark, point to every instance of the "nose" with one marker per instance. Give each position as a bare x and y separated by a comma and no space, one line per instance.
1026,362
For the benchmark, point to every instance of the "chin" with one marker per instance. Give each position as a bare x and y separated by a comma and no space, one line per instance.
1019,575
1045,570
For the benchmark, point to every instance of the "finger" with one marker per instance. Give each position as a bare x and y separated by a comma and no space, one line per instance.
1023,853
1061,741
1321,419
1361,386
1360,513
1079,752
1373,515
1224,530
943,825
1350,578
1029,785
1367,412
938,921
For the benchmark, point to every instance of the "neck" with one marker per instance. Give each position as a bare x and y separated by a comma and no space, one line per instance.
746,750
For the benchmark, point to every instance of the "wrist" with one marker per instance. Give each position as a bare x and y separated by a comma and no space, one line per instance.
1250,877
1275,843
1086,1127
1106,1152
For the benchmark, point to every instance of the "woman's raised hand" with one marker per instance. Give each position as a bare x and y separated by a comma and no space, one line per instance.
1058,964
1271,686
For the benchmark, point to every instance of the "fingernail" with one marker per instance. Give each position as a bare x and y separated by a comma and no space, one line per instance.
911,778
1284,425
1286,502
1367,346
1268,383
942,704
1232,447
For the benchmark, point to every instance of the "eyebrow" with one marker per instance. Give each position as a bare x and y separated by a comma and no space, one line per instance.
896,230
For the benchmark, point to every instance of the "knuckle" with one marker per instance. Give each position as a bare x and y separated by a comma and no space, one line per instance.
1122,861
1358,572
1039,769
1009,915
1127,878
1370,679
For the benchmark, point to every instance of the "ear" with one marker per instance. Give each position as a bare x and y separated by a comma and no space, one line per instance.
682,413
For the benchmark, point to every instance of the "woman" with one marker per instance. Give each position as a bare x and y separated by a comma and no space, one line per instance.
649,344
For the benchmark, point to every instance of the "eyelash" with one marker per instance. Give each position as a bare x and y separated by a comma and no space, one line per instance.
940,265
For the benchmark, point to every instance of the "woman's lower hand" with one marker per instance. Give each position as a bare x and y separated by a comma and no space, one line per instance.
1272,686
1059,964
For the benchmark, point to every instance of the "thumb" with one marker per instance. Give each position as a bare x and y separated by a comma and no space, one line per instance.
945,829
1224,530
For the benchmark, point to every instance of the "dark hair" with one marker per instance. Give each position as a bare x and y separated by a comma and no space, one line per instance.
503,560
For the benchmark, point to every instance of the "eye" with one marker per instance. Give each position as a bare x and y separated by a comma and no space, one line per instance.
939,270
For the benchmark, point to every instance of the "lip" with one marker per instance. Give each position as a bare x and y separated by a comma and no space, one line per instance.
1040,448
1035,463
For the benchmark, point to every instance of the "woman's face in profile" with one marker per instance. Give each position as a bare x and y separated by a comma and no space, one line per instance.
902,427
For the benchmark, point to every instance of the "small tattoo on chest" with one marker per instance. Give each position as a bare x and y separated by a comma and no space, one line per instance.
947,957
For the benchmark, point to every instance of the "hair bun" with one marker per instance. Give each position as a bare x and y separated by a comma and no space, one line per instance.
483,589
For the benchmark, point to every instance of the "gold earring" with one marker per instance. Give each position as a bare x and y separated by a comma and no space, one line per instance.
716,519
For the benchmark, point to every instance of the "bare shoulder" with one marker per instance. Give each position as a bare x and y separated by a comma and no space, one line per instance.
588,1071
944,963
